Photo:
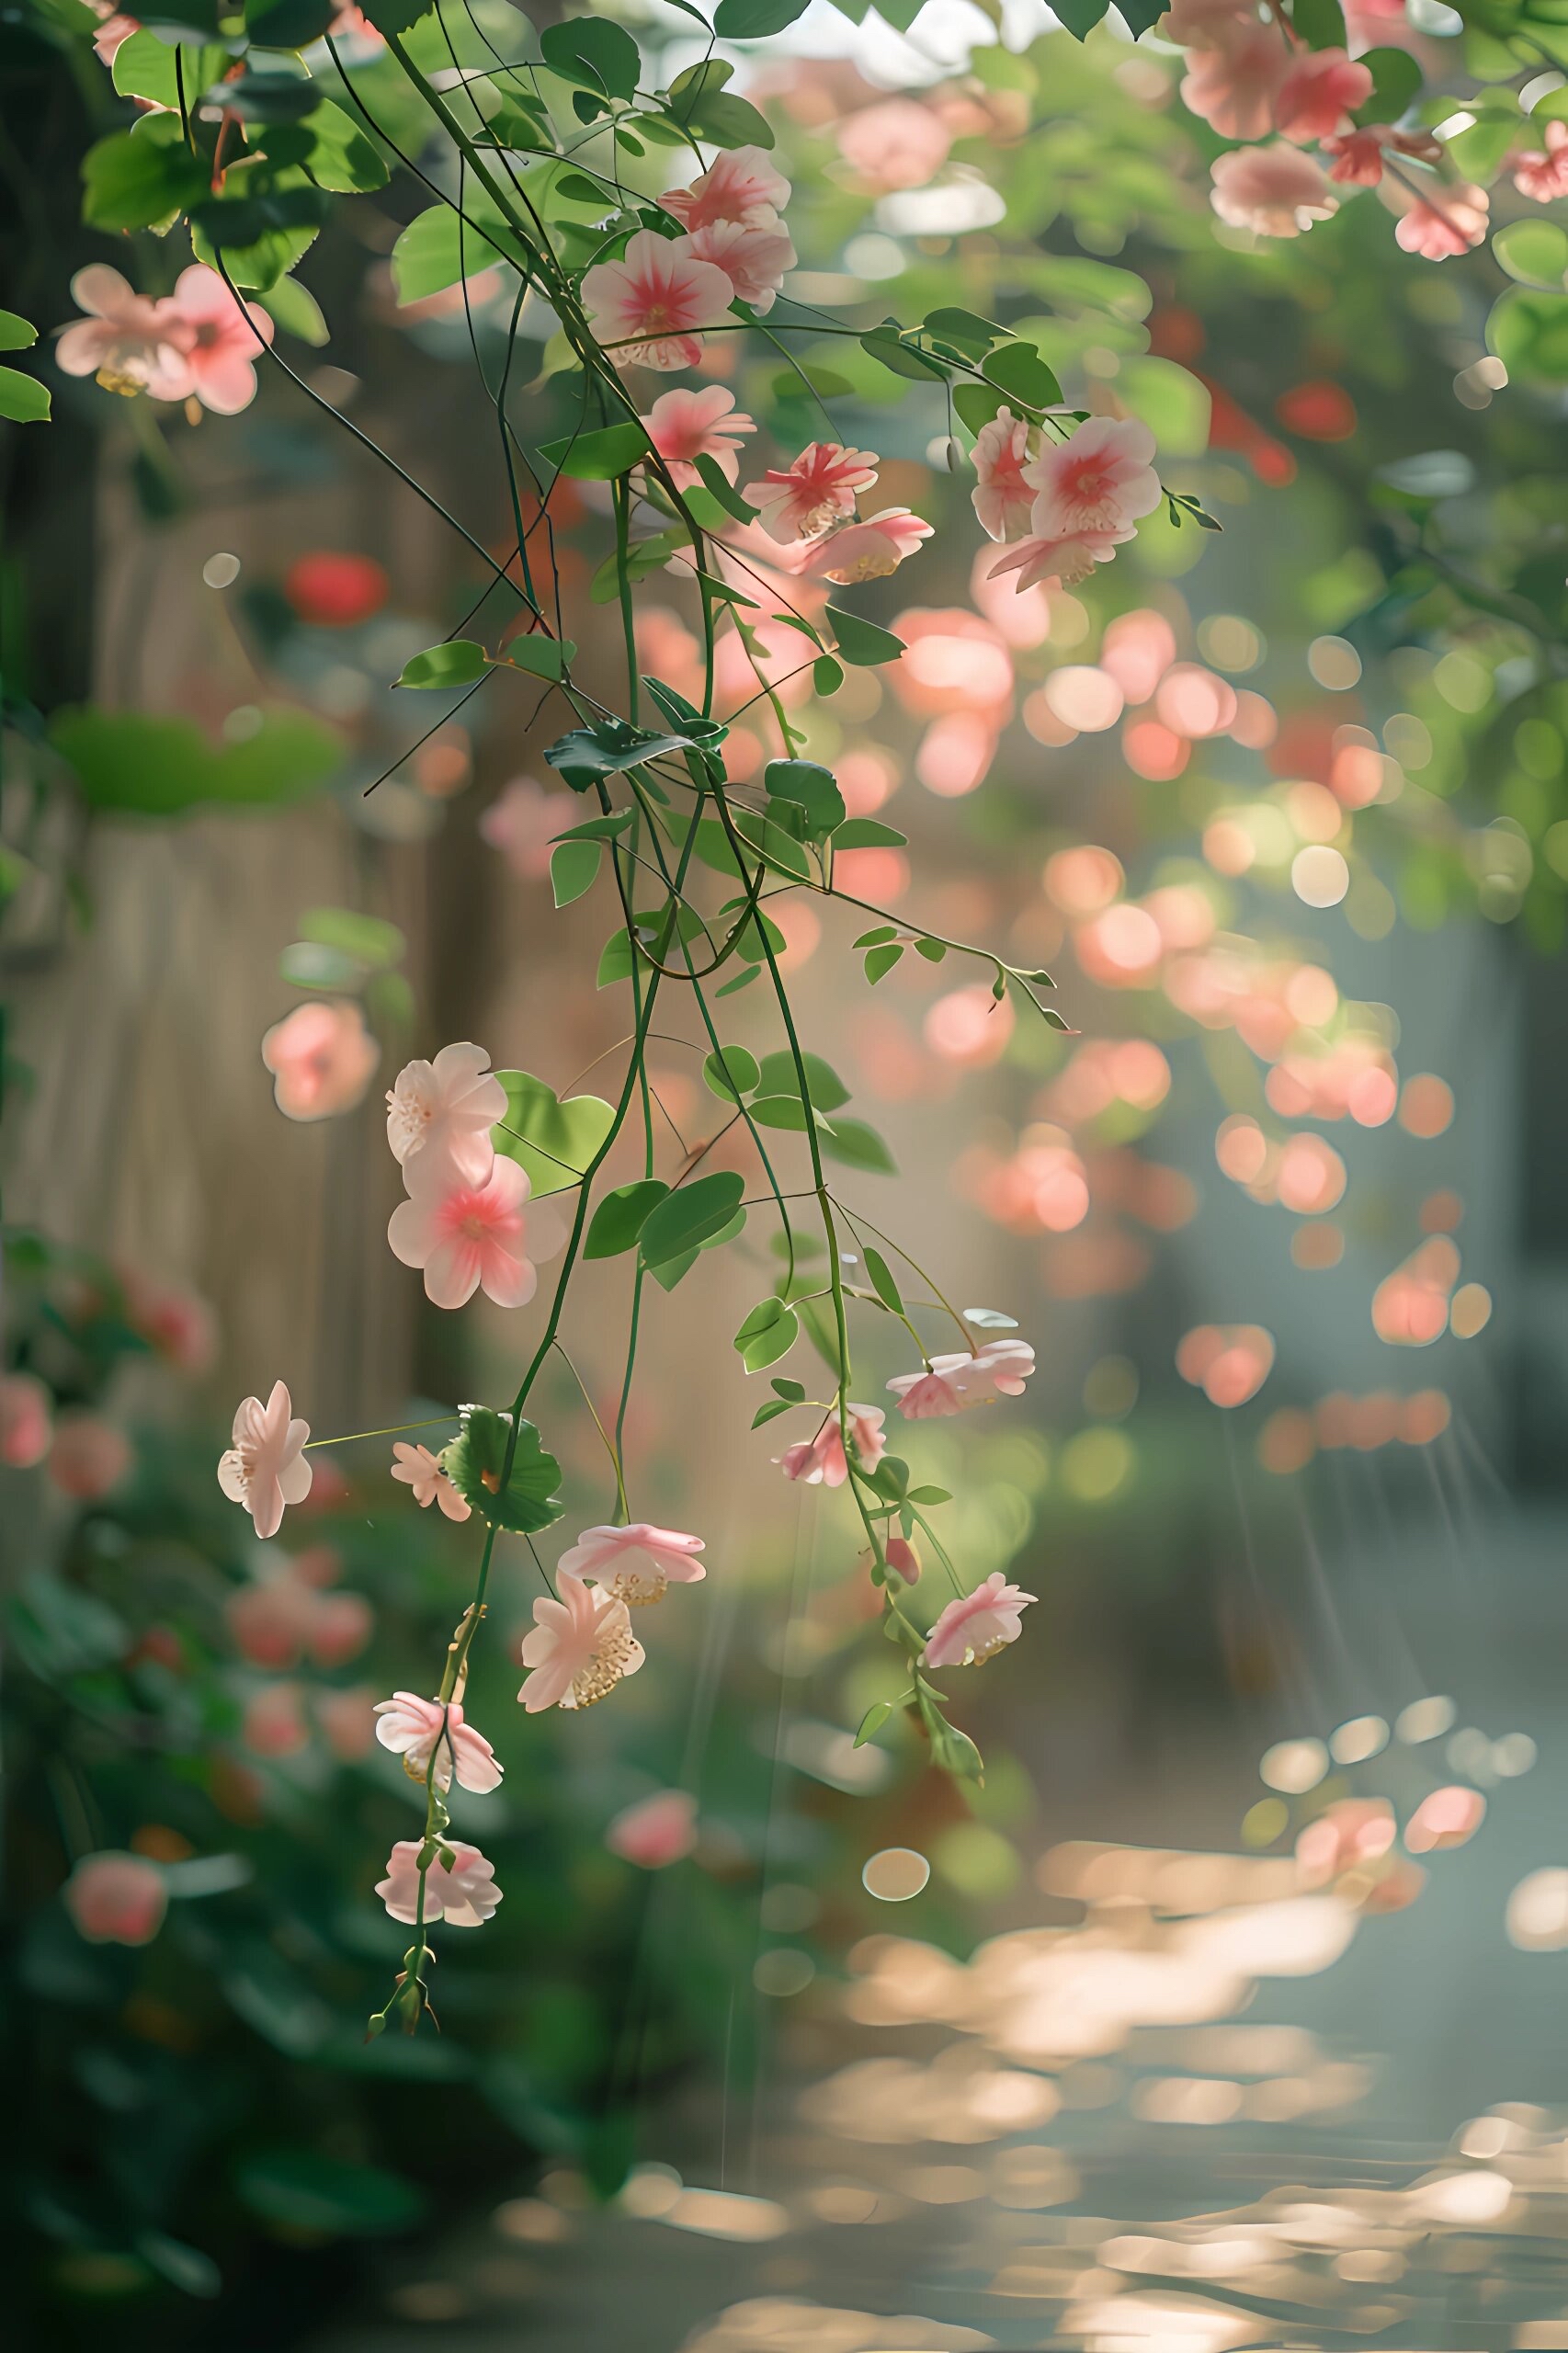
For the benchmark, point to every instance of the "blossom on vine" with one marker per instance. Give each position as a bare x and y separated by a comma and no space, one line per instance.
579,1647
115,1899
657,1831
742,186
89,1456
635,1564
977,1625
468,1235
1451,221
422,1470
1233,85
447,1108
819,1462
25,1420
684,426
1097,482
221,338
1002,497
322,1057
950,1385
1043,558
126,340
1542,174
1320,93
1358,156
416,1730
902,1558
807,495
465,1896
867,551
649,306
266,1468
1276,191
753,254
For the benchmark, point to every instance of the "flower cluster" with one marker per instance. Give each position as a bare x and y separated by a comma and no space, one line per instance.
199,343
467,1222
649,306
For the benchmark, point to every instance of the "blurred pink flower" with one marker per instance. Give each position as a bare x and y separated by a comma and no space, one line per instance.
1358,156
1099,481
467,1235
419,1468
1002,497
465,1896
348,1722
124,336
272,1618
657,1831
742,185
321,1057
1064,560
1351,1831
647,307
266,1467
903,1558
635,1564
978,1625
274,1723
895,144
524,818
1276,191
88,1457
446,1110
578,1649
684,426
25,1425
221,338
1232,85
820,484
753,254
417,1729
1319,95
1451,223
1204,24
116,1899
819,1462
340,1626
1542,174
867,551
177,1323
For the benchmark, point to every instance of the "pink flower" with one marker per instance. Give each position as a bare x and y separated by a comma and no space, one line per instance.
24,1420
903,1558
1451,222
89,1457
419,1468
950,1385
1097,482
1276,191
469,1237
464,1896
1320,91
1067,560
321,1057
753,254
116,1899
635,1564
341,1625
417,1729
657,1831
347,1723
806,499
819,1462
646,306
1542,174
445,1110
977,1626
523,821
1358,156
125,338
1205,24
895,144
685,425
271,1619
867,551
274,1722
112,34
1234,85
578,1649
179,1323
221,338
742,186
266,1467
1001,496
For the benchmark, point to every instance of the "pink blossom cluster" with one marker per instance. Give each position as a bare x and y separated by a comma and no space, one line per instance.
199,343
1064,506
651,305
468,1222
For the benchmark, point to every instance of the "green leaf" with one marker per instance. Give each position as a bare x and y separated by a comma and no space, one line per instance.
786,1112
144,67
1534,252
594,52
827,675
770,1411
769,1332
693,1214
134,178
756,19
880,961
741,981
135,761
1529,331
394,15
952,1750
990,1319
1018,370
287,23
868,833
792,1391
731,1073
325,2198
365,939
277,97
966,332
589,752
436,249
524,1498
1396,78
779,1075
574,871
555,1141
185,2268
22,398
621,1216
808,788
883,1282
929,1495
458,662
877,937
16,334
1320,23
723,490
859,1146
871,1723
598,829
862,643
1080,16
260,238
297,311
340,156
542,657
614,450
698,101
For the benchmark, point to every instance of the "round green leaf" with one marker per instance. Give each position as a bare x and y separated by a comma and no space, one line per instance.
522,1498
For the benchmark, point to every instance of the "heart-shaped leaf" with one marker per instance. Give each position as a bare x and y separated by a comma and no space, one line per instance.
555,1141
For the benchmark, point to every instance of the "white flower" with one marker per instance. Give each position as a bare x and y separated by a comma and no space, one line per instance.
578,1649
266,1467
